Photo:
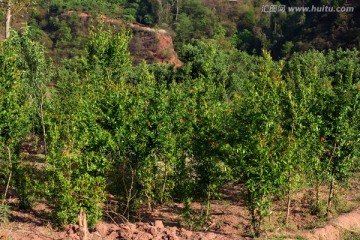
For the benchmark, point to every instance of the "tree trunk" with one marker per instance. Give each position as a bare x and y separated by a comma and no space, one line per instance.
208,204
163,186
332,183
8,20
48,7
288,203
43,121
317,192
288,207
177,10
331,196
9,178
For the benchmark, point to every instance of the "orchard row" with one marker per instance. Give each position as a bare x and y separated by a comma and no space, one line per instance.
152,134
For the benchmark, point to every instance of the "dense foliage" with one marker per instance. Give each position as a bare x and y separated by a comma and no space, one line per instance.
253,105
150,134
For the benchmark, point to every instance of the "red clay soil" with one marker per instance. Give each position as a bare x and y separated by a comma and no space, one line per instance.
152,45
229,220
29,227
166,50
336,227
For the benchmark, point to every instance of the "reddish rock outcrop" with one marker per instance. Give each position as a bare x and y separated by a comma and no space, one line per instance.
149,44
152,45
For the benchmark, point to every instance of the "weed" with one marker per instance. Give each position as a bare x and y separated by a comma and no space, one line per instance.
343,206
351,235
297,237
357,197
4,213
319,222
195,221
317,208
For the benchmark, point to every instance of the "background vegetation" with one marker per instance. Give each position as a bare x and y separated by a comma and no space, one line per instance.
240,24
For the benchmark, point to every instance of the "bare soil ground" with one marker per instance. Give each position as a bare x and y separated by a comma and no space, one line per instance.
230,220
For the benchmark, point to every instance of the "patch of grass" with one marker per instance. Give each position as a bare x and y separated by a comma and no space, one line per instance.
351,235
269,226
318,208
318,223
4,213
345,207
342,205
297,237
292,226
357,197
195,221
239,226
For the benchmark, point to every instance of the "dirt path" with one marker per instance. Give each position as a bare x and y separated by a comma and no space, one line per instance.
336,227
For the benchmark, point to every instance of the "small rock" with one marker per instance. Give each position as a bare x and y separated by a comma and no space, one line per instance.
171,233
96,236
141,224
74,237
71,229
210,236
102,229
113,228
185,233
32,236
113,235
132,227
152,231
61,236
67,228
125,235
143,236
172,237
159,224
158,237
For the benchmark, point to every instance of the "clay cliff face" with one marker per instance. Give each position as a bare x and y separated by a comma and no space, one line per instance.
152,45
149,44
